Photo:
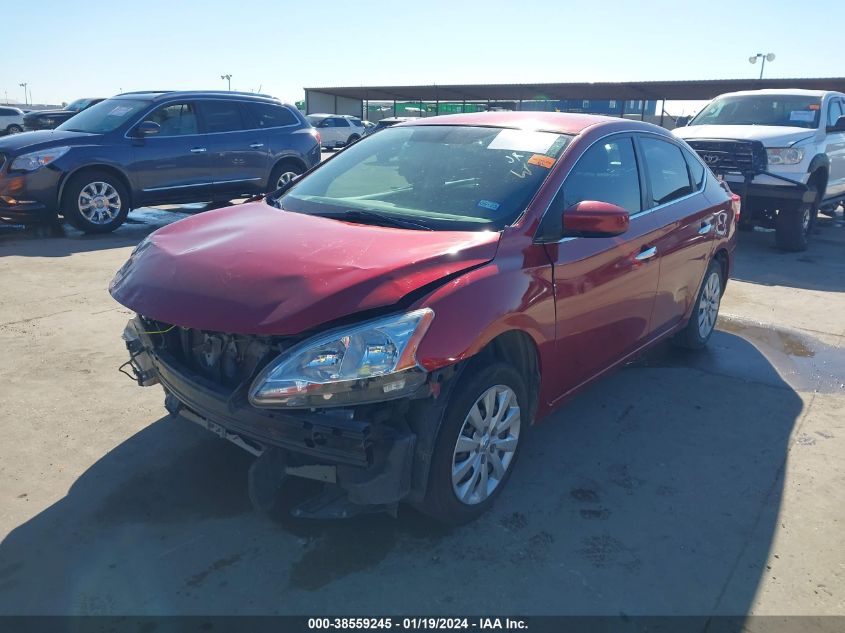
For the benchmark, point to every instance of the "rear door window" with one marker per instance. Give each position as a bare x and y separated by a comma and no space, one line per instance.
666,169
267,115
696,170
221,116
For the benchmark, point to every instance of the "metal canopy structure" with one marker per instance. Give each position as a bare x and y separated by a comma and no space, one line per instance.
656,90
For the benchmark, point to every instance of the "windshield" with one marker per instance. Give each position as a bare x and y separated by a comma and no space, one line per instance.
780,110
104,116
79,104
438,177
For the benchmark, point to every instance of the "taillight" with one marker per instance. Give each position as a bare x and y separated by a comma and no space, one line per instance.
736,205
316,135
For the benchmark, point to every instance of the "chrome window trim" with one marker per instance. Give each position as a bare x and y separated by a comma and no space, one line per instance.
639,214
196,100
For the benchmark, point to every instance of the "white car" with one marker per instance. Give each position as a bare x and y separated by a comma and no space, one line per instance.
337,130
782,151
11,120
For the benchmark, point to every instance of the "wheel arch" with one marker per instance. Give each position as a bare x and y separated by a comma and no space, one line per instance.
819,170
110,169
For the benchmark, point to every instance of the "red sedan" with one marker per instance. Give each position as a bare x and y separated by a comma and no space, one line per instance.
393,322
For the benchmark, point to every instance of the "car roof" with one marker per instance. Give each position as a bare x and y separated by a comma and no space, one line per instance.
159,95
323,115
798,92
559,122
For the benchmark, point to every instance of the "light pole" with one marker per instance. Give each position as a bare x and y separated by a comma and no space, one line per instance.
768,57
228,78
24,85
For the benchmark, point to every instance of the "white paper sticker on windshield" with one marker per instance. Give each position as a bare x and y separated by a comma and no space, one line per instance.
119,111
523,141
805,116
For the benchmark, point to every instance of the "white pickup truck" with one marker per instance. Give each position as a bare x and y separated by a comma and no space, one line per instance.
783,151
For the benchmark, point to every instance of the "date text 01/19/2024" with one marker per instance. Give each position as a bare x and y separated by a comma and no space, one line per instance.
421,623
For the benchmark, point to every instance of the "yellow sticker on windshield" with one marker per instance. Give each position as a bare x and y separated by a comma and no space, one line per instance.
542,161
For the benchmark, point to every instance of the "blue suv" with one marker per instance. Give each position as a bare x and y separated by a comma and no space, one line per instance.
150,148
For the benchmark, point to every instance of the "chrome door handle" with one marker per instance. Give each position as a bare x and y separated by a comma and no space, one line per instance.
646,253
705,228
256,145
197,150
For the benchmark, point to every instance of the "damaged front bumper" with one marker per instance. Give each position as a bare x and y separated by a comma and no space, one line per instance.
367,452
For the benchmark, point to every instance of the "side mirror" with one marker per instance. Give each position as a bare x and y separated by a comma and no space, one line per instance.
592,218
839,126
683,121
147,128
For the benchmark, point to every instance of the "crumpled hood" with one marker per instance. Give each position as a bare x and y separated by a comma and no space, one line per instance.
253,269
769,135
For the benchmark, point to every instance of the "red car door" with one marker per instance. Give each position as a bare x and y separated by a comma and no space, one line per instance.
604,287
674,195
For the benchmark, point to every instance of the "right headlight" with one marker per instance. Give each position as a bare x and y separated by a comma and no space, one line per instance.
784,155
370,362
37,160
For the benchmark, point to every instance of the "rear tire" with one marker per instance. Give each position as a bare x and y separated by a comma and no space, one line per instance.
702,322
352,139
95,202
793,226
485,461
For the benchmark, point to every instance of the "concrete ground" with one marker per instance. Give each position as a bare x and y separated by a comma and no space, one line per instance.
683,484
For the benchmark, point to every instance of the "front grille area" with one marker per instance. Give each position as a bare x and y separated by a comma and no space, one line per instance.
726,156
225,359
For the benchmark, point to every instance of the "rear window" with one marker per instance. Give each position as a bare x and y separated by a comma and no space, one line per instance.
221,116
266,115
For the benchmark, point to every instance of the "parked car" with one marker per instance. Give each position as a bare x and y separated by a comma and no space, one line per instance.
391,121
51,119
337,130
396,331
149,148
11,120
783,151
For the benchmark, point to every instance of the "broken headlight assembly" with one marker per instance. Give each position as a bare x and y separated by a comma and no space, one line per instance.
371,362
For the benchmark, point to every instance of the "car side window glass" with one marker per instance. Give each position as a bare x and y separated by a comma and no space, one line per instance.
696,170
266,115
327,123
607,172
834,112
666,169
338,122
221,116
175,119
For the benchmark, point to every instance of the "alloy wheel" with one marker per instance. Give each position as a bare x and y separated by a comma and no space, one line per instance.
708,306
486,445
805,220
99,202
285,178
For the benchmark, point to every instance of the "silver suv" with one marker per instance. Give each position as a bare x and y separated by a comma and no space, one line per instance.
337,130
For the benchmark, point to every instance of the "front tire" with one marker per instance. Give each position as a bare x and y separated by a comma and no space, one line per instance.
793,226
283,173
14,129
701,324
95,202
478,443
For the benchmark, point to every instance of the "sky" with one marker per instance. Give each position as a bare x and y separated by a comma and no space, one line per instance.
91,48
